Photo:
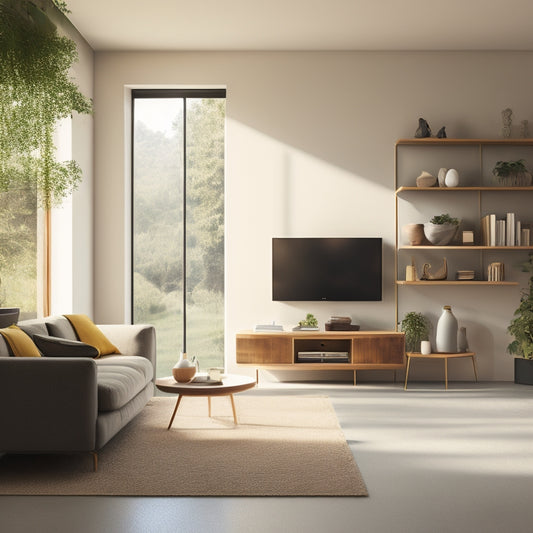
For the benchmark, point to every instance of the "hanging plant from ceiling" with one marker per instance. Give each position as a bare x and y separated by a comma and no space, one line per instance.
36,91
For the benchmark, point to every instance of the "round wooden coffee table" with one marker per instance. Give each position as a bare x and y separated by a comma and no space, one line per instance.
231,384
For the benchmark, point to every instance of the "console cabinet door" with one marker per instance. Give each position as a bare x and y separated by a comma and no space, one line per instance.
375,349
264,350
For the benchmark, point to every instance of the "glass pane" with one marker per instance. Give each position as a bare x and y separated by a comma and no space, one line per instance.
18,251
205,230
158,231
157,223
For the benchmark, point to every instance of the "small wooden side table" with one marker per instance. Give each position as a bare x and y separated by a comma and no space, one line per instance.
441,355
231,384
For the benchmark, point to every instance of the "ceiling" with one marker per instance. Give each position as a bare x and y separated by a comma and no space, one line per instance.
304,24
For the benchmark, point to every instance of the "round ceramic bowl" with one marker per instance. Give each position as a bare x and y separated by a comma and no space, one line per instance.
8,316
439,234
184,374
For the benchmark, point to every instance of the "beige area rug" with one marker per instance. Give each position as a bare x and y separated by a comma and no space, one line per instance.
283,446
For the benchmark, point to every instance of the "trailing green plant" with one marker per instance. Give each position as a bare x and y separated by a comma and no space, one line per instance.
445,218
36,91
309,322
521,327
416,328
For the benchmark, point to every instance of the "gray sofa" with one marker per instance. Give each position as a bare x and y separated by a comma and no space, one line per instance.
73,404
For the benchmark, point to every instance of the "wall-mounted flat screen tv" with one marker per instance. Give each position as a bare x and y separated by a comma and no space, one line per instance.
335,269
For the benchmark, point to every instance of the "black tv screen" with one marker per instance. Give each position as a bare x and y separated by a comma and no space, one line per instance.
336,269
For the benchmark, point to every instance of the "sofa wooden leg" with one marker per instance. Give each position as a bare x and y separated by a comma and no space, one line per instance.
95,460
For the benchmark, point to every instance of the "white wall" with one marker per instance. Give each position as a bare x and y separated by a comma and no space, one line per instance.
310,152
72,224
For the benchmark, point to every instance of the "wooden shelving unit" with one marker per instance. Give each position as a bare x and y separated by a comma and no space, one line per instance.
478,152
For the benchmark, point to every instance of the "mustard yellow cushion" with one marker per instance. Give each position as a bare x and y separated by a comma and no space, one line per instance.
89,333
20,343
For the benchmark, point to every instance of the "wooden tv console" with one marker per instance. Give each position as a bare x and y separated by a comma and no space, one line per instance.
367,350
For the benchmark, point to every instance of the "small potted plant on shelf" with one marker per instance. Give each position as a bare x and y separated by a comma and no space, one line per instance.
521,328
416,328
512,173
441,229
309,323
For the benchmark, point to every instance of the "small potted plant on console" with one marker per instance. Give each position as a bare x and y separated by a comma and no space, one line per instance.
309,323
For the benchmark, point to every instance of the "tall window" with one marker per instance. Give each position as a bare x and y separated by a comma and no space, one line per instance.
178,222
18,250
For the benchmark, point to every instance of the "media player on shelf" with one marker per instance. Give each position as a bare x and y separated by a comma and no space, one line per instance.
268,327
322,357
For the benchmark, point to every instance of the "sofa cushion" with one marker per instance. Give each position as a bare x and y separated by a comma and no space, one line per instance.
20,343
59,326
57,347
88,332
120,378
33,327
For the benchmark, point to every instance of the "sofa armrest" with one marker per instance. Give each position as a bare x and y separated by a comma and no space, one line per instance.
47,404
132,339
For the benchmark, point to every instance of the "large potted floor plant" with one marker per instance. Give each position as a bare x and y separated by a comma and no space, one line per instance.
521,329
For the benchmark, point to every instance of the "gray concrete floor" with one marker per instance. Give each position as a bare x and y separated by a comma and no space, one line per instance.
434,461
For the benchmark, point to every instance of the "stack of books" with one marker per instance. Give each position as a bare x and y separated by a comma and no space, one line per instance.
495,272
341,323
504,232
465,275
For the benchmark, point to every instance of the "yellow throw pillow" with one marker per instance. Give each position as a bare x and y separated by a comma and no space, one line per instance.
89,333
20,343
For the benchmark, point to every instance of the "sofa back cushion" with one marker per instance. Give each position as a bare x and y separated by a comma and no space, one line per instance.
59,326
5,350
33,327
20,343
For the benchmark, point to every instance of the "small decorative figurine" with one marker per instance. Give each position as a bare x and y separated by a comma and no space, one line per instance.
441,134
507,119
440,274
423,129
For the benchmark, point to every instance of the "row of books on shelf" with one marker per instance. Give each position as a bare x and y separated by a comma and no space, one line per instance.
495,272
504,231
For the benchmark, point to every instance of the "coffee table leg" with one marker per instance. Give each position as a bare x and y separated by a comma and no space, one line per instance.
209,405
233,407
446,373
175,409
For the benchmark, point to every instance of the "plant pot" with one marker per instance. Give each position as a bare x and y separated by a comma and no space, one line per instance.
440,234
414,234
523,371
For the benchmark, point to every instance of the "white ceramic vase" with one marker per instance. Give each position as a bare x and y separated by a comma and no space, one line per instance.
452,178
446,338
